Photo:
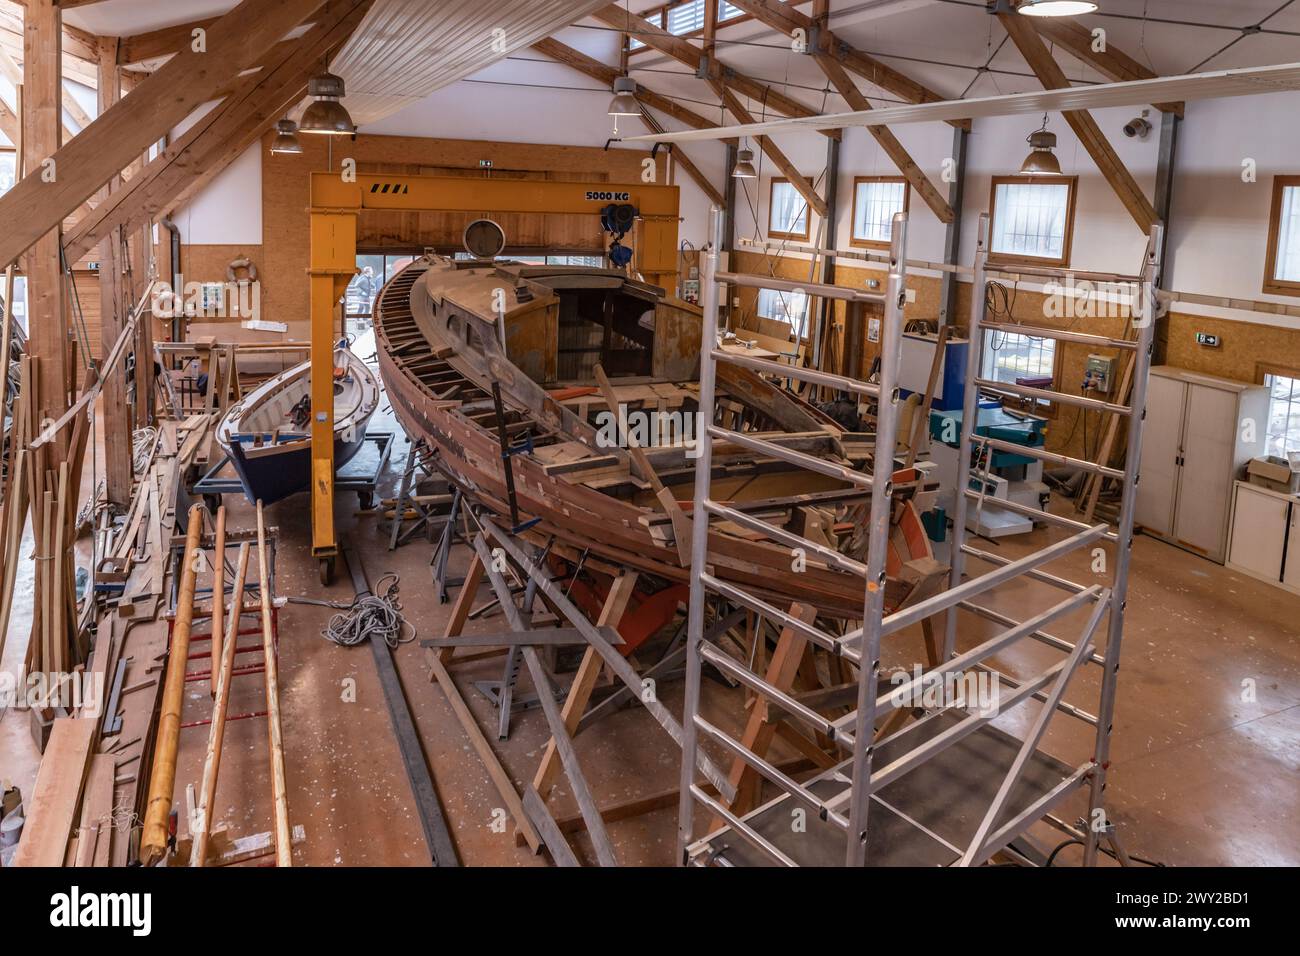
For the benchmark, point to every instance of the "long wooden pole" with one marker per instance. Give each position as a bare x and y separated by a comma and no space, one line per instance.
219,594
162,779
217,729
279,784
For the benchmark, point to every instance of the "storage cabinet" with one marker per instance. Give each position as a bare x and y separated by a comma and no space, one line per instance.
1265,539
1200,432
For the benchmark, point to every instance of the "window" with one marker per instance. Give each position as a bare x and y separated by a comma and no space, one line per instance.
1283,413
1283,273
7,175
657,19
787,214
728,11
876,199
372,272
686,18
790,307
1033,219
1009,357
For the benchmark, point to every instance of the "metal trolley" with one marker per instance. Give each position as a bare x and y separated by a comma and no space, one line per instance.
948,788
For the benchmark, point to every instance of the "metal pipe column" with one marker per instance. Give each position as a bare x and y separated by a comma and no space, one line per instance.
969,418
882,469
699,528
1124,546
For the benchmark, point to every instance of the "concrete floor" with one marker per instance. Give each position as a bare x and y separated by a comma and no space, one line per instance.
1200,776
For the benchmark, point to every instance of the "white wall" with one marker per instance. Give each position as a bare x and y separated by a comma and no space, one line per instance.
1219,224
228,211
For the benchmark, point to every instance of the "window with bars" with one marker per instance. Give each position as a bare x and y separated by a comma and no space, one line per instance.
1283,272
789,307
686,18
1009,357
1283,414
1033,219
787,214
876,199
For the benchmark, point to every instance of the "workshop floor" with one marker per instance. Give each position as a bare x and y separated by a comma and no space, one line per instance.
1199,775
1202,773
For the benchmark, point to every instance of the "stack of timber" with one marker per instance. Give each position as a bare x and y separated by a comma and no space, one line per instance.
90,792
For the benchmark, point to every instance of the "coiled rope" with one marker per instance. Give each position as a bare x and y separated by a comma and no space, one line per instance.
376,616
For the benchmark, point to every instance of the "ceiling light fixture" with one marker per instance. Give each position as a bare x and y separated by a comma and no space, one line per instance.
1056,8
744,168
286,139
326,115
624,102
1042,161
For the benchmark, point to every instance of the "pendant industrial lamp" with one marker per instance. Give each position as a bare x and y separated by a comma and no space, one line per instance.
286,139
326,116
624,102
744,168
1055,8
1042,161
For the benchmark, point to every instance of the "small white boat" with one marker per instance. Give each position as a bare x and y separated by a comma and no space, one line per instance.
267,435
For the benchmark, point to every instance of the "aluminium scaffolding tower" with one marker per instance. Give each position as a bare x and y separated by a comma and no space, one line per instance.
949,787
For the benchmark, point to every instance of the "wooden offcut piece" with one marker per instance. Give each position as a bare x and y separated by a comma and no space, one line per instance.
53,805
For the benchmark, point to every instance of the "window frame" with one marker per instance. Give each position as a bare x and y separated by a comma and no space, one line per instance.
1274,286
649,14
1067,246
1262,371
1041,409
853,225
771,205
799,331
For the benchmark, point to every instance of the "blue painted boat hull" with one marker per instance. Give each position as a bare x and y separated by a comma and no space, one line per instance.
273,478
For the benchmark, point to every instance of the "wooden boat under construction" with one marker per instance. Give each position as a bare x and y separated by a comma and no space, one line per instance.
449,330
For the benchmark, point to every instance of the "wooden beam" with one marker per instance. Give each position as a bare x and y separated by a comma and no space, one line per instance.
607,74
913,173
42,115
783,17
114,140
584,682
686,52
1112,62
185,166
788,169
1051,75
159,43
119,472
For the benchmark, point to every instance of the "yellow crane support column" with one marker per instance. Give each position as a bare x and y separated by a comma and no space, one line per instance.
333,264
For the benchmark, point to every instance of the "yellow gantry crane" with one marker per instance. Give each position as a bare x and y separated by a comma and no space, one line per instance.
337,199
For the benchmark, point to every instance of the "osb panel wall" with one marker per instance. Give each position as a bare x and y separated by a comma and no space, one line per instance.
1242,345
208,263
285,199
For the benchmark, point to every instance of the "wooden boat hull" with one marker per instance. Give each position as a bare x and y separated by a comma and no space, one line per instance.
583,520
273,463
274,477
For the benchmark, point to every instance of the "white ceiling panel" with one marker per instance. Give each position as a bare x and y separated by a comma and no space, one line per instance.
406,49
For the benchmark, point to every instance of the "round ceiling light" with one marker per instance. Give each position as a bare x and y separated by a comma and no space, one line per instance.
326,115
1056,8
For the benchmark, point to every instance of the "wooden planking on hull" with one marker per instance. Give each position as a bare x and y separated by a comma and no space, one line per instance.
436,386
